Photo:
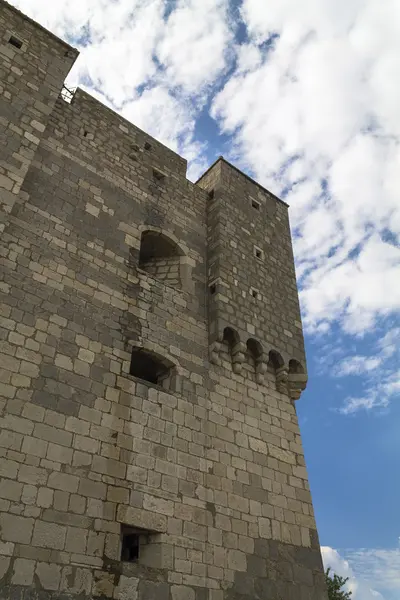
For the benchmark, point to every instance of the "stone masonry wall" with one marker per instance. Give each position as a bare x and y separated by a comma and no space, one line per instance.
250,251
213,467
31,77
167,270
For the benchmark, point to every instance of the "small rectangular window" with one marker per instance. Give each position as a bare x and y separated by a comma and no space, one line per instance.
254,293
255,204
159,175
213,288
130,544
211,195
258,253
15,42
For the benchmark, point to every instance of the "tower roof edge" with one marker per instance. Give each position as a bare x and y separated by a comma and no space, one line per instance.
38,26
221,158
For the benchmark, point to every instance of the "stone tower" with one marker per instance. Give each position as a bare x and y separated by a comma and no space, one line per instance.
151,353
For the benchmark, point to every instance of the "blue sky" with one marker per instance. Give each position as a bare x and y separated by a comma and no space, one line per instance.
303,96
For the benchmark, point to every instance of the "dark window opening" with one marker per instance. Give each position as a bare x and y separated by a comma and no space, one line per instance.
85,133
160,257
255,204
158,175
141,546
231,337
148,366
156,246
130,546
147,146
15,42
254,348
211,195
213,288
258,253
254,354
275,360
295,367
254,293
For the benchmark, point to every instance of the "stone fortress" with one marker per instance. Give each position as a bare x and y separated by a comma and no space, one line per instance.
151,353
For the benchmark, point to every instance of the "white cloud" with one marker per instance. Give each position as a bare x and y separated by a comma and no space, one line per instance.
378,395
356,365
361,585
194,44
386,348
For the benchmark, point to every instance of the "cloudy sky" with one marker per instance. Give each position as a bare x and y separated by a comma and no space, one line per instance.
305,97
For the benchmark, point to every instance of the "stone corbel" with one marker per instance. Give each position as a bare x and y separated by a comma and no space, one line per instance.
296,384
238,354
261,369
215,353
282,376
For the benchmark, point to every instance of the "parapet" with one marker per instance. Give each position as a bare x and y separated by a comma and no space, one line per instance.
102,120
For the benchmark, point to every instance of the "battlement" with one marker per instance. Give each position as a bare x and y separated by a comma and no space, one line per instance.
203,180
100,128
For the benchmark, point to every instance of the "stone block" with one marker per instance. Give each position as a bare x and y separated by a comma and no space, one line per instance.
10,490
15,528
64,482
92,489
141,518
34,446
6,549
149,590
4,565
49,535
76,540
8,468
23,570
182,592
127,588
49,575
265,530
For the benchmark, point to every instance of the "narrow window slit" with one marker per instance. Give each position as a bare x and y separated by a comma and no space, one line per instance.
258,253
130,545
254,293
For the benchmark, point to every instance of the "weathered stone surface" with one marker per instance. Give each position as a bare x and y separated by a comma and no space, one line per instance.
111,256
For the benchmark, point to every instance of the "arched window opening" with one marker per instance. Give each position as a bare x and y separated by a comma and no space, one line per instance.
254,352
275,360
233,348
160,257
152,368
255,361
295,367
230,338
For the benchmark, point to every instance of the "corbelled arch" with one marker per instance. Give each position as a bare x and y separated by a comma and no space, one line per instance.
165,258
